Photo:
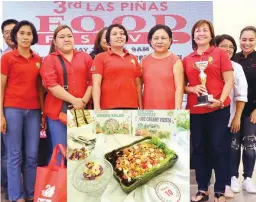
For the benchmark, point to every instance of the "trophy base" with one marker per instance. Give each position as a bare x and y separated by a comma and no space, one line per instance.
204,100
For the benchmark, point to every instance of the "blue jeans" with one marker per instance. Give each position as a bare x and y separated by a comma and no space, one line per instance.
57,134
246,138
3,164
28,121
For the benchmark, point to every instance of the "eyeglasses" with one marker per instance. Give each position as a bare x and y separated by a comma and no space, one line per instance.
226,46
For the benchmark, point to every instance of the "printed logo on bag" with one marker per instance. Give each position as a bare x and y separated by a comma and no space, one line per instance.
49,191
168,192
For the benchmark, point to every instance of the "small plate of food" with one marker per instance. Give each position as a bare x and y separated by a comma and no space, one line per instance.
78,154
92,176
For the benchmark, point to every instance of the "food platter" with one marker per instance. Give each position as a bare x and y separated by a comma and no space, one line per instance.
137,163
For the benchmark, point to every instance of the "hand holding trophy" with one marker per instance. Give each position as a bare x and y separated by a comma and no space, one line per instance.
205,98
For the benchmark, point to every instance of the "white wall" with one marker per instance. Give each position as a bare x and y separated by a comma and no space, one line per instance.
230,16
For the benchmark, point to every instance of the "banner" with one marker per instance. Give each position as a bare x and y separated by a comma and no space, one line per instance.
87,18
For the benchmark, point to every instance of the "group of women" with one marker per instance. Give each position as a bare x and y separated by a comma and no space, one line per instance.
113,78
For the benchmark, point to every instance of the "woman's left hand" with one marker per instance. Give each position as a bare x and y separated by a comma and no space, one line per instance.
253,117
214,103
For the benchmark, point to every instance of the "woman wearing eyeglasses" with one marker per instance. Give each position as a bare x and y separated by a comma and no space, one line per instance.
238,98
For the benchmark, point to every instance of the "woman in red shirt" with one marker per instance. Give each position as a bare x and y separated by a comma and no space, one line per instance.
116,74
21,104
163,74
78,91
209,120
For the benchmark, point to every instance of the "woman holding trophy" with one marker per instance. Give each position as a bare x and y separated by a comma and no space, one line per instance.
209,75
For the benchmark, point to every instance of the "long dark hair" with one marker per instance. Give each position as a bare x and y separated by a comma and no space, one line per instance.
56,31
97,47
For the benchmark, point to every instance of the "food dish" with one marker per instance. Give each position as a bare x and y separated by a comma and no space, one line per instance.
92,170
79,154
137,163
96,186
138,159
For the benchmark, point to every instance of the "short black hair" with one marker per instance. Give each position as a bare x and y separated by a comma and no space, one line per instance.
111,27
17,28
157,27
220,38
8,22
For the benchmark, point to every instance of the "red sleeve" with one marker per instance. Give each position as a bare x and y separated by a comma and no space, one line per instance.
225,63
5,66
89,65
138,68
49,73
98,65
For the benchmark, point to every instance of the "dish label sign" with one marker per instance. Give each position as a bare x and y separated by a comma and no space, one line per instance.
168,192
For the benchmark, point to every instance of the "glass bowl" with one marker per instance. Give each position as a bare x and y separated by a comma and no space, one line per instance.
92,187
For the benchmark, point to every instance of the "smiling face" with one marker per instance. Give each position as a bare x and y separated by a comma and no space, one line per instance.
117,37
160,41
64,41
24,36
7,34
228,46
248,41
103,42
202,35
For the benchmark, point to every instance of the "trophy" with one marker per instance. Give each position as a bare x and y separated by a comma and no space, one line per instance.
205,98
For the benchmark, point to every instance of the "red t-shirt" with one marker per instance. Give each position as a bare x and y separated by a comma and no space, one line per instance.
22,80
159,85
79,78
118,89
219,62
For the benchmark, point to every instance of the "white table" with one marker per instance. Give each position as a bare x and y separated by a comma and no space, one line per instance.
178,176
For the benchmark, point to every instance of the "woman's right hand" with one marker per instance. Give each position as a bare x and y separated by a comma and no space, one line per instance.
77,103
3,124
199,89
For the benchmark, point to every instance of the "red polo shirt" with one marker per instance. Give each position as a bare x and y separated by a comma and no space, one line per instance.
22,80
219,62
118,89
79,78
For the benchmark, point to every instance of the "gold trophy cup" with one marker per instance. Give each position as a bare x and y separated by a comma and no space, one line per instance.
205,98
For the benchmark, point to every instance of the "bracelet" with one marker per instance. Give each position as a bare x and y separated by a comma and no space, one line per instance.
221,104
